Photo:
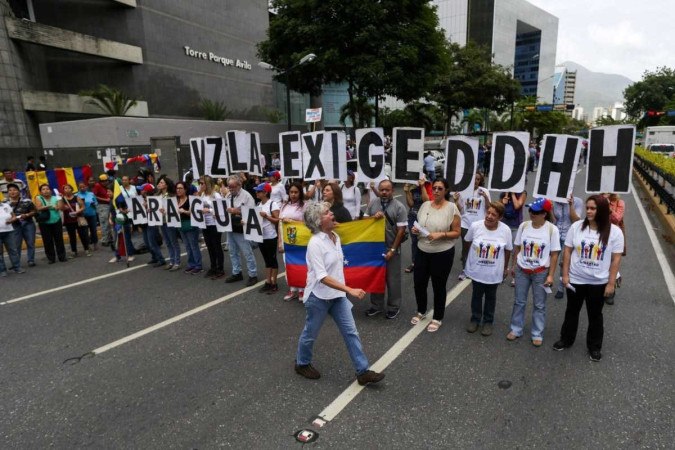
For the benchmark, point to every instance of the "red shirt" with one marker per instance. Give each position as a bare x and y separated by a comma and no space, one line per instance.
100,193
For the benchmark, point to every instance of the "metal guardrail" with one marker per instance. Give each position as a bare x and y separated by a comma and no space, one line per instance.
661,183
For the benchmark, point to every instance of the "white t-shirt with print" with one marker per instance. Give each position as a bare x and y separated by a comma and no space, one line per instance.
278,193
269,229
485,262
536,244
591,259
474,208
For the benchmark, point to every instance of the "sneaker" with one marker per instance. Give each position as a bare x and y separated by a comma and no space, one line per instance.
273,289
369,377
373,312
462,276
472,327
307,371
290,295
217,275
169,267
392,314
251,281
559,295
196,270
595,355
19,270
266,287
486,329
174,268
209,273
114,259
131,258
3,274
72,255
560,345
234,278
88,253
188,270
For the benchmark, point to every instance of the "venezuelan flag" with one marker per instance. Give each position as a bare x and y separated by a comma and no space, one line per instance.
117,192
362,246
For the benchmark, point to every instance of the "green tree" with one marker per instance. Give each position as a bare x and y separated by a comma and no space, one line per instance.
360,111
655,92
384,47
471,80
111,101
213,110
420,114
473,118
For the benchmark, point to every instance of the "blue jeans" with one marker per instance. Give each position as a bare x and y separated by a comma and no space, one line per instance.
341,310
131,251
28,235
150,240
480,313
194,254
170,235
11,240
523,283
237,243
91,225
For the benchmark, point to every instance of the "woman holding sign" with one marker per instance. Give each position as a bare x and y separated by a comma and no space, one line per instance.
325,294
212,237
293,209
188,233
438,227
166,189
269,211
473,210
591,262
513,213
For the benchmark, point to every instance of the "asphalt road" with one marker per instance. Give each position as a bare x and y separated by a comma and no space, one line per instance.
223,376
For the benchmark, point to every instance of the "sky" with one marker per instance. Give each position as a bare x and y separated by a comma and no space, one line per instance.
625,37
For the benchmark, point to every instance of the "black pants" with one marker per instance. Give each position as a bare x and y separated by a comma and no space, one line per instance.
52,238
91,225
436,266
212,239
72,228
268,248
594,295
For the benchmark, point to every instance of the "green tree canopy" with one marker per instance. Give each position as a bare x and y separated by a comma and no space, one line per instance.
378,47
655,92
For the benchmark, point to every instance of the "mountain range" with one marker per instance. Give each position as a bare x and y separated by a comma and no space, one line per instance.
596,88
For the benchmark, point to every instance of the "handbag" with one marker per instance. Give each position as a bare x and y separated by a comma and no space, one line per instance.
82,222
43,215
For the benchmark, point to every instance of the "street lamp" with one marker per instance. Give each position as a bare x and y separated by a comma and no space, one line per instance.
305,59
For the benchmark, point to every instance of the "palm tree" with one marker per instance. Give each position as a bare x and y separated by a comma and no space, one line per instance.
475,116
113,102
360,111
421,114
213,110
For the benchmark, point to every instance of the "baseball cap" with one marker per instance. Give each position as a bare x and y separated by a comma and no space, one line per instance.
103,177
263,187
147,187
541,204
275,173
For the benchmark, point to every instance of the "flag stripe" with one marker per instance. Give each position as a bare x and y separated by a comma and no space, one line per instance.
356,254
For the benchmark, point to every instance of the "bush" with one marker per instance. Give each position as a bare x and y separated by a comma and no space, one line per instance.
661,162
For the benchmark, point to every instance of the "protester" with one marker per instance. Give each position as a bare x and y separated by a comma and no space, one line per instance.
430,166
292,210
188,234
314,191
24,211
617,209
565,214
212,237
278,194
51,226
415,195
42,163
30,164
394,214
333,195
120,224
89,213
513,213
276,162
8,178
591,263
473,209
324,295
537,246
488,244
128,191
74,221
9,238
100,190
167,189
151,234
351,195
440,222
269,211
236,199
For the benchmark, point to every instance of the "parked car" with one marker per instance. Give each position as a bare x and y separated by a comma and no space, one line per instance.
668,149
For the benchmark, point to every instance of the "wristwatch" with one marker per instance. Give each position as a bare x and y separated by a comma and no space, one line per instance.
393,250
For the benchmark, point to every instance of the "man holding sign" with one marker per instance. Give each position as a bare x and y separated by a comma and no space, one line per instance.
236,199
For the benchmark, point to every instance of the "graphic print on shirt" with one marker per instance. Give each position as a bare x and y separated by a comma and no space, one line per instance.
532,251
488,251
591,252
473,204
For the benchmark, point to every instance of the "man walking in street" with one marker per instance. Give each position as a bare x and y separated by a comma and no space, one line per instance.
235,199
396,221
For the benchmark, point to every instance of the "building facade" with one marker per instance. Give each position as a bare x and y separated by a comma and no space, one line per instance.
168,54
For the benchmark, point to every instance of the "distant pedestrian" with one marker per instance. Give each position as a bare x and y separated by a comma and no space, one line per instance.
188,233
30,164
24,212
430,166
51,226
42,163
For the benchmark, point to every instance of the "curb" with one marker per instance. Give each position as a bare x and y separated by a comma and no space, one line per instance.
660,211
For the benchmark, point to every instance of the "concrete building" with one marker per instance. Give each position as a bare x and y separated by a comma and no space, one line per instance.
617,111
519,34
168,54
564,85
578,113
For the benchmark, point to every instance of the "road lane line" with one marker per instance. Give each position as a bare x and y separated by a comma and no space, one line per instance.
658,249
349,394
179,317
77,283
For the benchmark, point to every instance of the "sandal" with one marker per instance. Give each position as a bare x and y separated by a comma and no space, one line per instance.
434,326
417,318
410,268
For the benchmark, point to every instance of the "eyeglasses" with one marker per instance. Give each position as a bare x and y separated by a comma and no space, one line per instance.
437,188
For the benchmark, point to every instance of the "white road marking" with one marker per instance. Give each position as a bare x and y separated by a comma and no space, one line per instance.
660,254
177,318
77,283
394,352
